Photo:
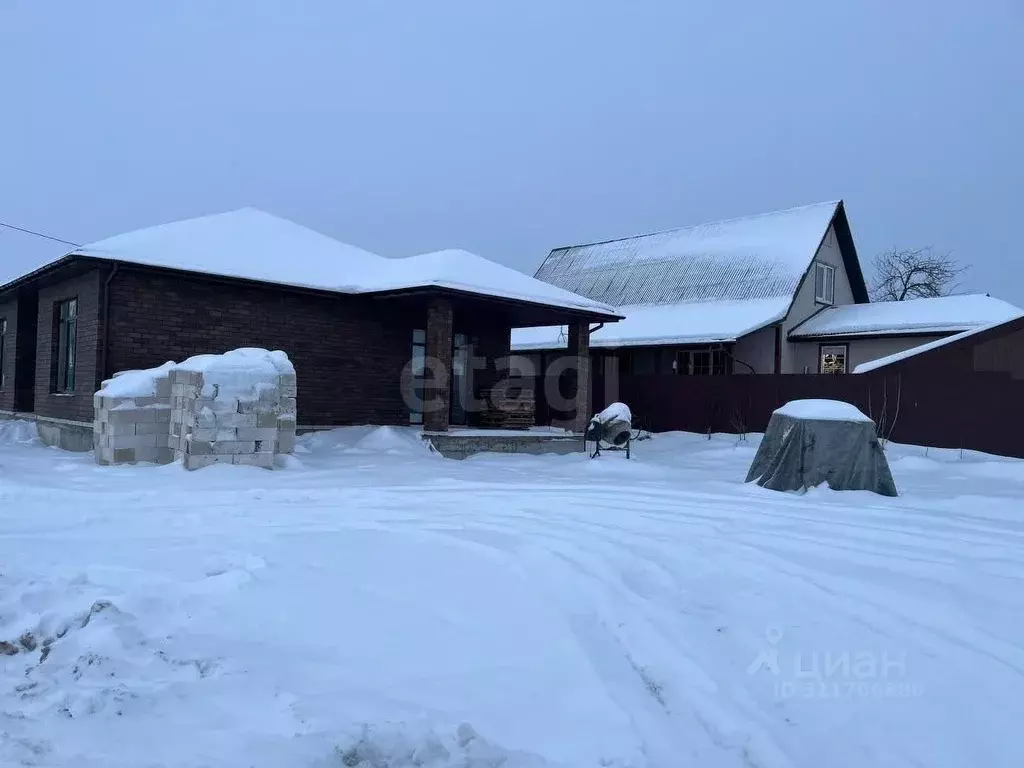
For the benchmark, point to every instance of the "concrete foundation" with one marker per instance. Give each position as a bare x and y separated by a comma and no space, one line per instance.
60,433
461,445
70,436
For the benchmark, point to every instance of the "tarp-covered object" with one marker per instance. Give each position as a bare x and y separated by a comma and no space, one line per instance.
809,442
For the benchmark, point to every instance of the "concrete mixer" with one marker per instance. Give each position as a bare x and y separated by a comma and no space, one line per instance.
611,430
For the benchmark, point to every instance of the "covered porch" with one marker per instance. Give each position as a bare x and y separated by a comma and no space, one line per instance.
469,392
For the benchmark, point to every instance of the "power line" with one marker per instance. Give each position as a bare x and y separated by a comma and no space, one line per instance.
39,234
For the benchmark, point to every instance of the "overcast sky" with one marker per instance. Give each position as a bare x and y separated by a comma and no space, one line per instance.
508,128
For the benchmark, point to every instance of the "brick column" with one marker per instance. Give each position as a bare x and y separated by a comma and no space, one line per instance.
579,349
438,373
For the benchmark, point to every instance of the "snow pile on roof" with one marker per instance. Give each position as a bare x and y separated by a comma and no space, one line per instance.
754,257
247,243
822,410
944,314
464,271
254,245
704,322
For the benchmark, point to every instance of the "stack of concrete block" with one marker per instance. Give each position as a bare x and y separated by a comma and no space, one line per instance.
130,429
199,412
211,427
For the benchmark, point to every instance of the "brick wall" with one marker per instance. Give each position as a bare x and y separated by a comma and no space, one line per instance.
8,312
437,385
77,405
348,352
579,347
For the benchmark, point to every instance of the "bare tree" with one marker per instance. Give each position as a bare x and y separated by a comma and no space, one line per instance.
914,273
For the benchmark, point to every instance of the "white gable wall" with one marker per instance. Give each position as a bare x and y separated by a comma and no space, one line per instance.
795,356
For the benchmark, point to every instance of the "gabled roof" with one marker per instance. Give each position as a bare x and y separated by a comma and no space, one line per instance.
754,257
945,314
250,244
706,322
701,284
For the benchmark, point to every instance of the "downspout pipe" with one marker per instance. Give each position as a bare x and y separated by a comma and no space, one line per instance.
105,340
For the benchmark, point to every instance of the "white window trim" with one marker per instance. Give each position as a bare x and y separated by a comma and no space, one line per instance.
827,349
828,283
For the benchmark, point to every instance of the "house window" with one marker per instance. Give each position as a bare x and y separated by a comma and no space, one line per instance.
3,347
461,386
66,335
419,356
833,358
824,283
702,362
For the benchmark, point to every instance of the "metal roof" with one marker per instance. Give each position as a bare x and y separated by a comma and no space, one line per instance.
754,257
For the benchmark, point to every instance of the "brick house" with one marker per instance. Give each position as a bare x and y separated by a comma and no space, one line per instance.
358,327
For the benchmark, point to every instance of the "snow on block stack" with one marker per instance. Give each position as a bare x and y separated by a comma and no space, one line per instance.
132,416
235,408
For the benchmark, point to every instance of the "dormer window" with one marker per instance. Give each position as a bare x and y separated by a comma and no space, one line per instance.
824,283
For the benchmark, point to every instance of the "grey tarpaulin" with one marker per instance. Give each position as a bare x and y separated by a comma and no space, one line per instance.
808,443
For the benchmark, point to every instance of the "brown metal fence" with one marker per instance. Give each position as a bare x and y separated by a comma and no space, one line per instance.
979,411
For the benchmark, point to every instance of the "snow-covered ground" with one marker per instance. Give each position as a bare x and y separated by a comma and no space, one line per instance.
375,605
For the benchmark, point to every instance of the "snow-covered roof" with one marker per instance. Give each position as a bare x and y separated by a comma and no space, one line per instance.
946,314
755,257
255,245
464,271
705,322
880,362
246,243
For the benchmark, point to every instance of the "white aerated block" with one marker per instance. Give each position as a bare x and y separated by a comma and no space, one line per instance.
235,408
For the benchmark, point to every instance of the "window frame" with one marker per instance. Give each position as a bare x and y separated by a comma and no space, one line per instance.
65,345
419,344
821,358
714,361
458,402
828,283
